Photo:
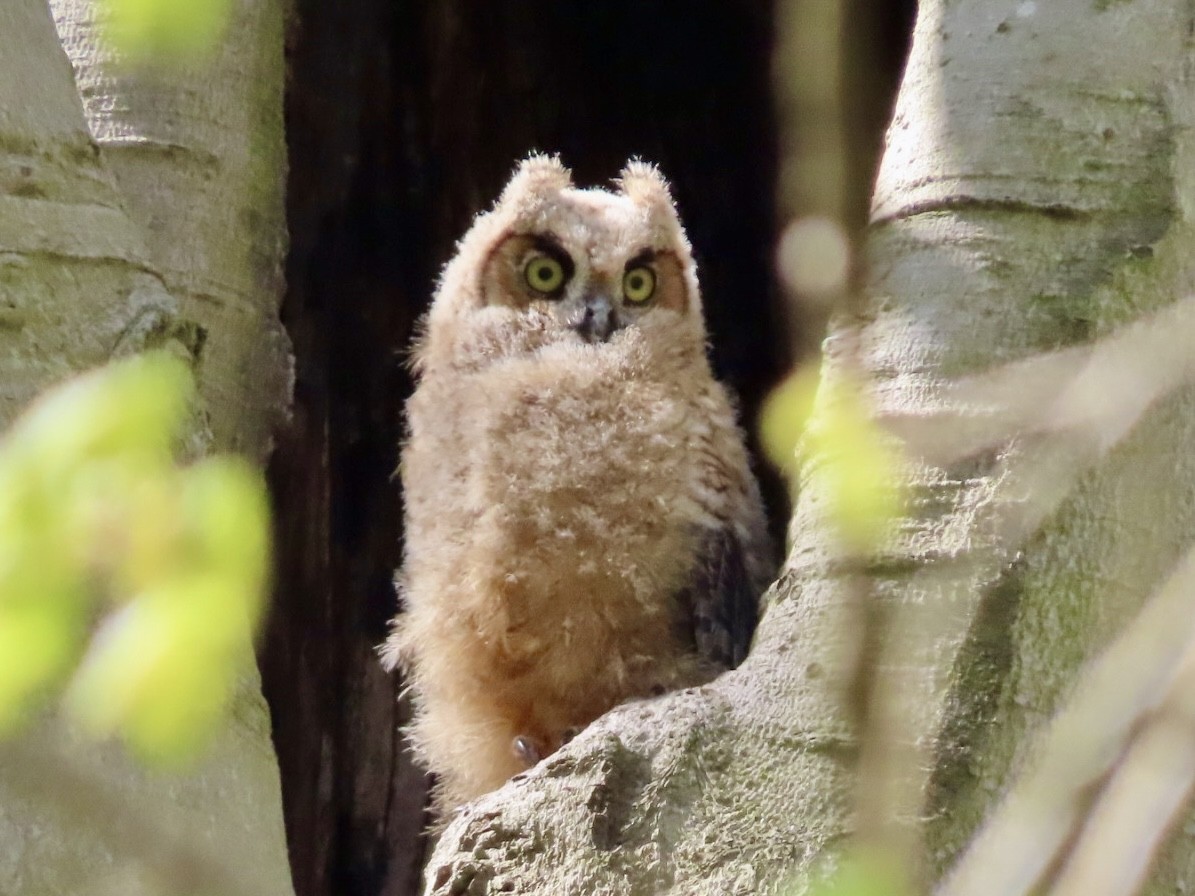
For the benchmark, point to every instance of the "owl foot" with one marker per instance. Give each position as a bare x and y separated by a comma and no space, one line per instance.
526,750
530,750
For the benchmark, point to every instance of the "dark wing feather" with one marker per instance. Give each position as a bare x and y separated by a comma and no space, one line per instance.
722,599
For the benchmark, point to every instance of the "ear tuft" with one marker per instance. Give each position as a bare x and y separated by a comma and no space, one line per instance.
643,182
538,173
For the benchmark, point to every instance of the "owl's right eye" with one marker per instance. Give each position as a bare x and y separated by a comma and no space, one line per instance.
543,273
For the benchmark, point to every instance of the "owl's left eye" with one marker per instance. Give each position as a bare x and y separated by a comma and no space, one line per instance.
638,284
543,273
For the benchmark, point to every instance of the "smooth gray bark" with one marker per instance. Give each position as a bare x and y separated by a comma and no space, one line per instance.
75,268
198,153
82,254
1036,194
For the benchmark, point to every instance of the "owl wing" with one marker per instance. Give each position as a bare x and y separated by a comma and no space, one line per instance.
722,599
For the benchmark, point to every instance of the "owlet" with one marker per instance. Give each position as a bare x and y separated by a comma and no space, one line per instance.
582,526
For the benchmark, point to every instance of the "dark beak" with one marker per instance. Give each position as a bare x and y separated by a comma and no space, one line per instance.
596,320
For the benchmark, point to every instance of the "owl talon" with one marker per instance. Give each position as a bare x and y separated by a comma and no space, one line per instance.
526,750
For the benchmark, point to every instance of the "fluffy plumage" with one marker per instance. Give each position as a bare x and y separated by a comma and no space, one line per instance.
581,523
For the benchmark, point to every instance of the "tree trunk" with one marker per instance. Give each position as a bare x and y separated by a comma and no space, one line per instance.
198,154
76,283
1034,195
82,242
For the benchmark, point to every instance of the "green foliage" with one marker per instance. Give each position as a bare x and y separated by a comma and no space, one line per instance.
828,425
166,29
863,873
97,521
786,413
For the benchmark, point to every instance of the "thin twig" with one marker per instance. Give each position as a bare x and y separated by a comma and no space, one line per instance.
1046,808
1140,803
1012,501
1098,391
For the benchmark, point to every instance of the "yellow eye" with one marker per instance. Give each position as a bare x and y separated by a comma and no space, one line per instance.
543,273
639,284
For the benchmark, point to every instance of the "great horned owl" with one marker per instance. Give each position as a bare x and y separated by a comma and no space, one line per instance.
582,526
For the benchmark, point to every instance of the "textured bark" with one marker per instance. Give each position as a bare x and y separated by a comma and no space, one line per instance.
76,286
198,154
1035,193
80,251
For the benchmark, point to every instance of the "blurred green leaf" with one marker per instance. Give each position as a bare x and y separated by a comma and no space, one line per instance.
132,410
224,502
785,414
43,604
863,873
38,645
96,517
161,670
166,29
828,424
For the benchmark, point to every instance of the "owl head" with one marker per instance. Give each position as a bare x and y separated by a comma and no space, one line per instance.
579,265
